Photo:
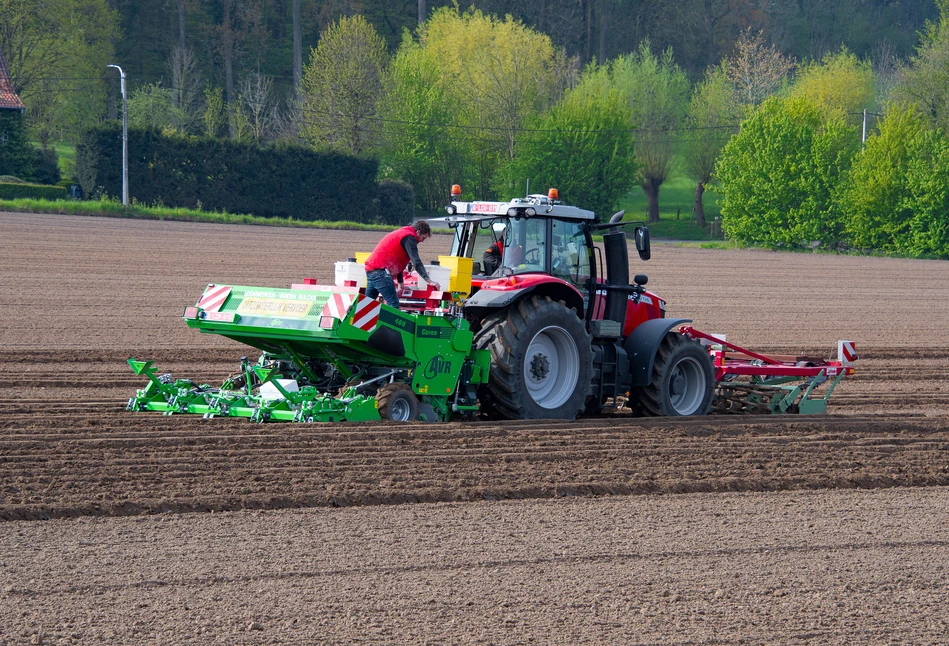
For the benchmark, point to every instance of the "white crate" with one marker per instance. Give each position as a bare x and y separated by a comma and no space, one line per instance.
437,273
346,270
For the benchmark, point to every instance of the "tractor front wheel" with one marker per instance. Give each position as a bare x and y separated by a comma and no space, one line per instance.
397,402
683,380
541,361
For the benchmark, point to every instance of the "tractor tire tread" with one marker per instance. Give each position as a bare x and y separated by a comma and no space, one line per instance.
503,397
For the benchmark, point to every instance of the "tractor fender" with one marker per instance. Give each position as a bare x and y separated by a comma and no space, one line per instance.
489,299
641,347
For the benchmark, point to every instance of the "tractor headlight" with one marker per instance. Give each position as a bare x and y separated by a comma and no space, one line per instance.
512,213
529,211
452,209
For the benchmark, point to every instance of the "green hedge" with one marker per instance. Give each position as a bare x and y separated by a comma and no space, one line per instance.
38,191
222,175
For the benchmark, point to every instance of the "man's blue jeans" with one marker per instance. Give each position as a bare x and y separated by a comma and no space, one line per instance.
378,281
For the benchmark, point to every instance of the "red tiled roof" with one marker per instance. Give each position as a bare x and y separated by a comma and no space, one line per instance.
8,97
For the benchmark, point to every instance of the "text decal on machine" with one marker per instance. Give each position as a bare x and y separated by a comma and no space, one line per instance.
274,307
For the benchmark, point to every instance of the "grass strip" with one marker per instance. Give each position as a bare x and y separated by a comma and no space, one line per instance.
112,209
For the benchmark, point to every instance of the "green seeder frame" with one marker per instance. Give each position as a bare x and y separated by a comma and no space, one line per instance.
314,330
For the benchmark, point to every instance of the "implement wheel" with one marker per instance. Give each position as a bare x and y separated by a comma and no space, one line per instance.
397,403
683,380
541,361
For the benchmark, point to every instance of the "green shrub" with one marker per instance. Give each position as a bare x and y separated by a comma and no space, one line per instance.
876,198
927,180
38,191
222,175
16,154
396,202
779,177
45,166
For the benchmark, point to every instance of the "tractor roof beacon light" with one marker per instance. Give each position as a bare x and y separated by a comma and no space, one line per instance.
553,194
456,191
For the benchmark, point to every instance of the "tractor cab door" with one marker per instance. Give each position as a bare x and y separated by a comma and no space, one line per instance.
570,255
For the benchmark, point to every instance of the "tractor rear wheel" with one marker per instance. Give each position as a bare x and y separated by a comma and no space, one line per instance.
683,380
541,361
397,402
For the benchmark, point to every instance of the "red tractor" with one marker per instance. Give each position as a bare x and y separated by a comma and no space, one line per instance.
569,334
566,336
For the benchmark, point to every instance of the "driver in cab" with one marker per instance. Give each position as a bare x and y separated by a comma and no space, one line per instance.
491,260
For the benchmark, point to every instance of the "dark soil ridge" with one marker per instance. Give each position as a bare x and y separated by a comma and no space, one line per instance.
138,464
216,505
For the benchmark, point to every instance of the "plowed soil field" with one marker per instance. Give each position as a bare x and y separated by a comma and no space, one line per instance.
538,542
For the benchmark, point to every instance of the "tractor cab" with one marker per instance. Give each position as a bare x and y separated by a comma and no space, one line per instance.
534,239
542,246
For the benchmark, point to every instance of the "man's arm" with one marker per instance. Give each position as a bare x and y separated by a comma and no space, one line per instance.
410,245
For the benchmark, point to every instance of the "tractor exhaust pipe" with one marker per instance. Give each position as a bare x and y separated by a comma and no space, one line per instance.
617,270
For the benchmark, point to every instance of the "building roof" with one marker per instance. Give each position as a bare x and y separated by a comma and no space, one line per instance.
8,96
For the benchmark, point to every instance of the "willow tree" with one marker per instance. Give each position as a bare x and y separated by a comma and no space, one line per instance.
711,119
657,91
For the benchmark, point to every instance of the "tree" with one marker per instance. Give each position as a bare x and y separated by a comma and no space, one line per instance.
927,180
257,102
420,145
756,70
49,44
840,83
877,197
297,46
214,116
926,80
779,177
238,27
712,118
499,74
341,87
186,86
657,91
583,146
153,106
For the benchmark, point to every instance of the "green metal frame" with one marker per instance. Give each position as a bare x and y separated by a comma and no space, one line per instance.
433,354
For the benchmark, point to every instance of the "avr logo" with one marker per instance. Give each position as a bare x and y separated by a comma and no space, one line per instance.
437,366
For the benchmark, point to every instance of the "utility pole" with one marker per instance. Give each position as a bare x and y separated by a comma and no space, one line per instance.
125,140
864,140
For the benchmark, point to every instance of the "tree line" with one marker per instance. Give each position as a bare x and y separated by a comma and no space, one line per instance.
492,103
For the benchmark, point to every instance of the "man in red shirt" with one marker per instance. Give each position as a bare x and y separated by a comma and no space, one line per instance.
390,257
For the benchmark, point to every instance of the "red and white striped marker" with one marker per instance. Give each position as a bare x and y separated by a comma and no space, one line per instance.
213,297
338,305
846,352
367,313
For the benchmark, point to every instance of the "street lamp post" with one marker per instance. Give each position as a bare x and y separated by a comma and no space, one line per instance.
125,140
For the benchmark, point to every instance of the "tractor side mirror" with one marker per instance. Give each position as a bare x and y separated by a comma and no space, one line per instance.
641,237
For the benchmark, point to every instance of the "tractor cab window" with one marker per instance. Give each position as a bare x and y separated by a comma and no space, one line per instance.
569,255
525,246
488,232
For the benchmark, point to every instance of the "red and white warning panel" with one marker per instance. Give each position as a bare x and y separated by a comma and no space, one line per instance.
846,353
337,305
366,315
213,297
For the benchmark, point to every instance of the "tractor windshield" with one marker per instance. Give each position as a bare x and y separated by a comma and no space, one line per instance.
525,246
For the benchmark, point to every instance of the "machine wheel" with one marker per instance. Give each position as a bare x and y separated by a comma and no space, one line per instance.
397,402
541,361
683,380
